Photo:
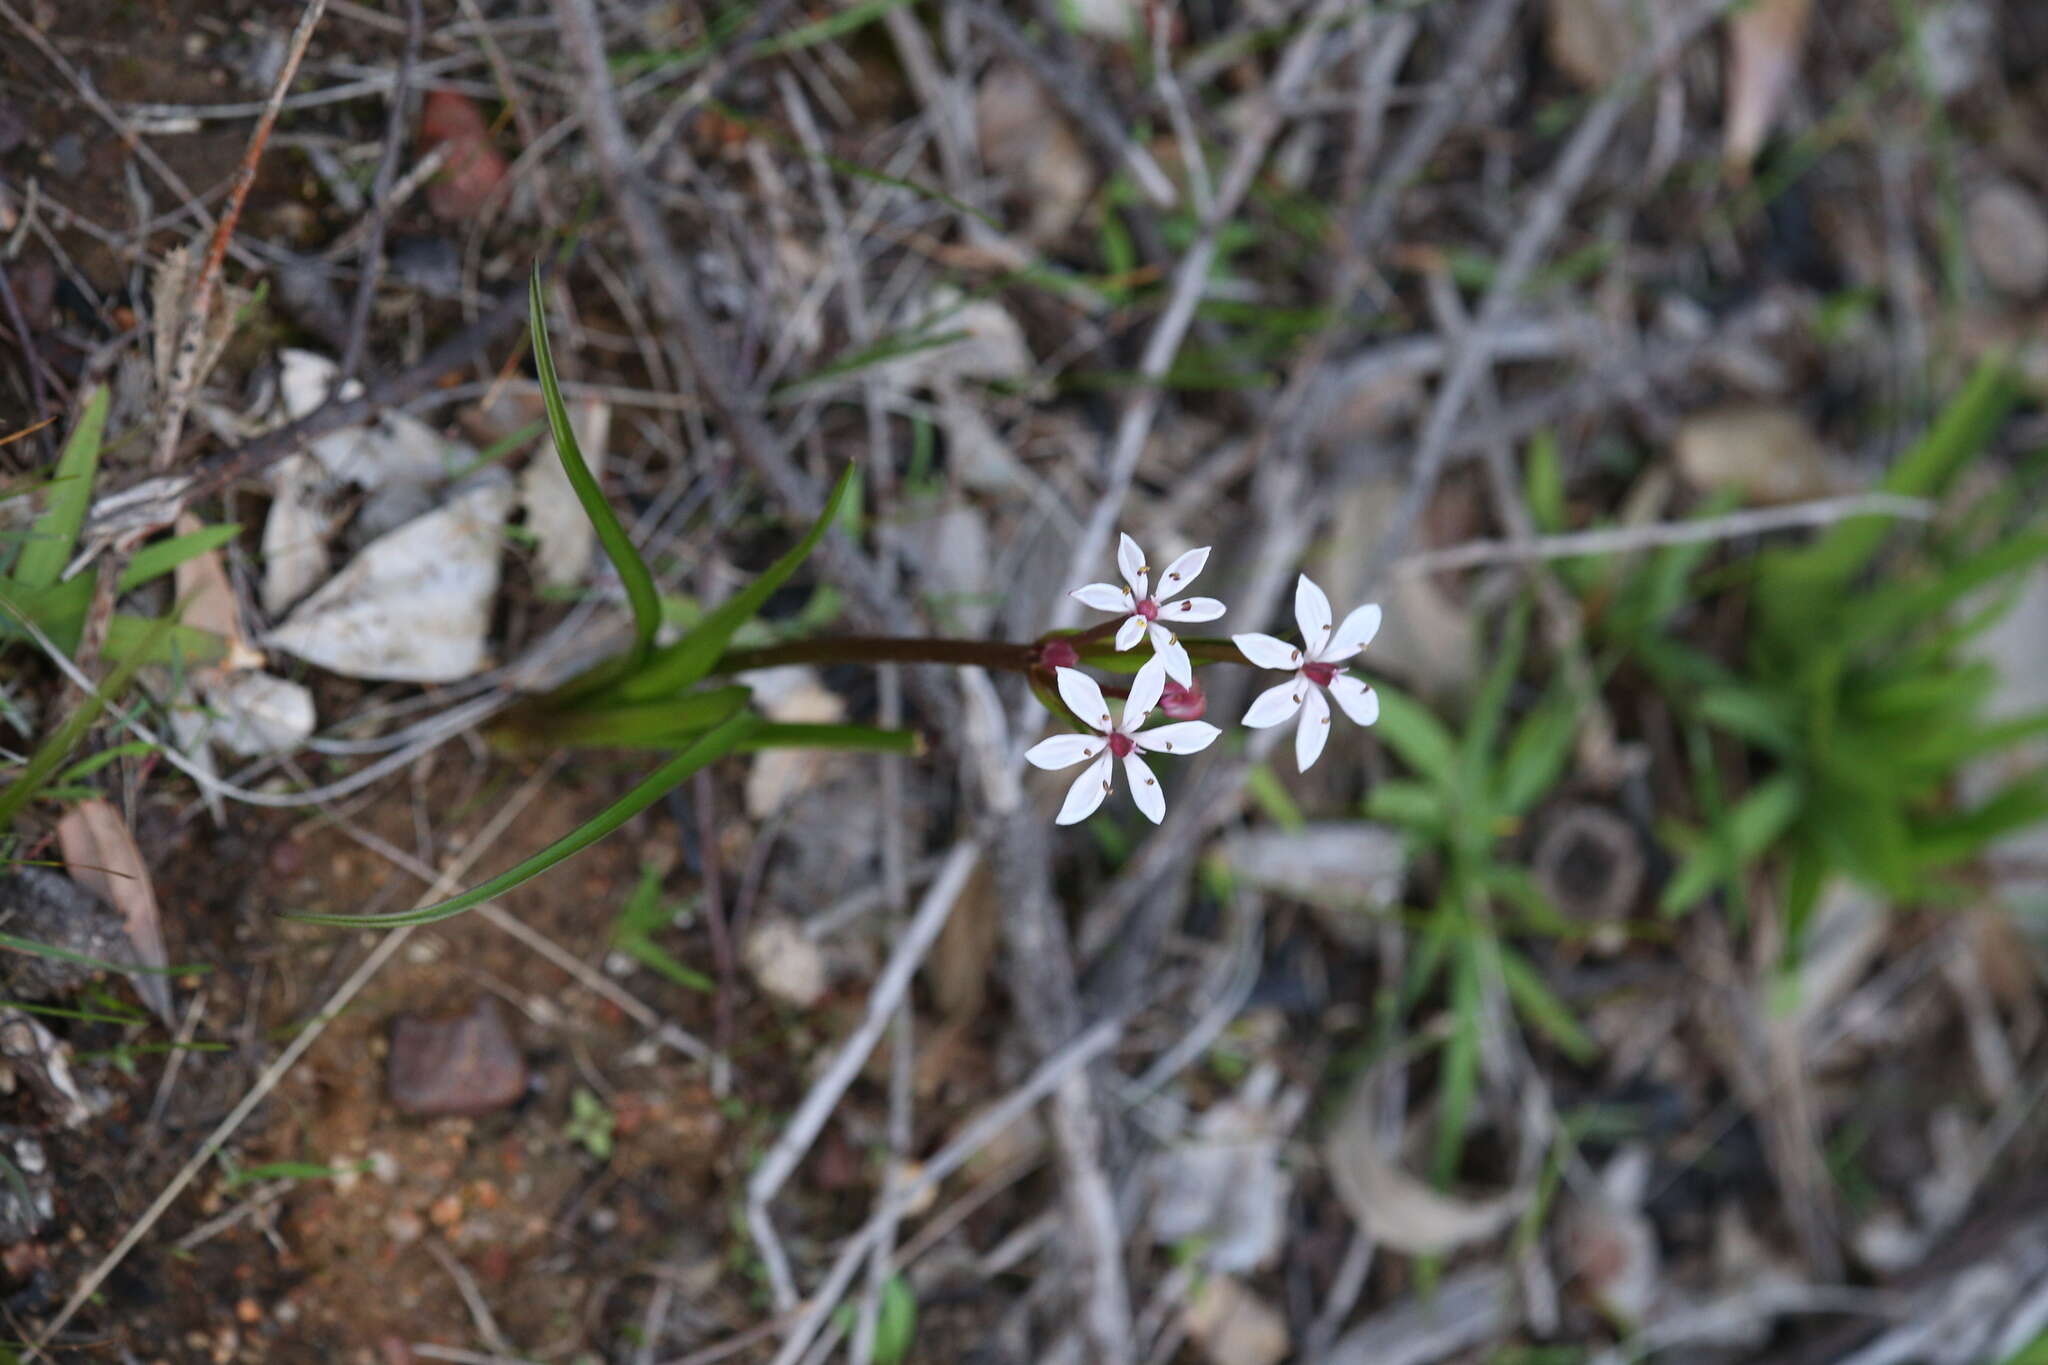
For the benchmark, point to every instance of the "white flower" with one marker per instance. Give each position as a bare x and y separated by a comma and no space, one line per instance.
1113,741
1317,665
1148,613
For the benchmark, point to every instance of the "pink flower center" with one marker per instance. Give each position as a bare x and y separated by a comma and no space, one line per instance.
1121,744
1148,609
1320,674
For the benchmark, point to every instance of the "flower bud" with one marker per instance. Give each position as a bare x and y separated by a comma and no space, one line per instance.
1058,654
1183,703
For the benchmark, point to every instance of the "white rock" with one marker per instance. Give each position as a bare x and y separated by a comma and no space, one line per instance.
415,604
786,964
256,713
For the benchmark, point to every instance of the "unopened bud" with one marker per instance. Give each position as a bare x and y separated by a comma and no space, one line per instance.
1183,703
1058,654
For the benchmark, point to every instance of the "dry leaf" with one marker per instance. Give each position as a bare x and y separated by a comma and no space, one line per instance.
1764,43
1769,454
1591,40
167,295
207,600
1393,1207
415,605
101,856
959,963
1027,143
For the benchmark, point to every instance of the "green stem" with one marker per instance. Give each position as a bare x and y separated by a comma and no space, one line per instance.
884,649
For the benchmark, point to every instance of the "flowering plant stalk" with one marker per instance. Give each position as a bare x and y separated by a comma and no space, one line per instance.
687,697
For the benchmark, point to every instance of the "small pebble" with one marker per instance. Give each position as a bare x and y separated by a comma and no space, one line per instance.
464,1066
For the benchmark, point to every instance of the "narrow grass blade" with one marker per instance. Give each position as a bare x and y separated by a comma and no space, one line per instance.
712,745
618,546
155,560
56,530
686,662
51,753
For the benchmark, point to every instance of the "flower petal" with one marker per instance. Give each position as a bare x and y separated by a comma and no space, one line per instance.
1130,632
1182,737
1359,701
1145,788
1355,634
1190,610
1181,573
1063,751
1083,697
1312,614
1104,597
1087,792
1131,560
1178,666
1314,731
1276,704
1268,652
1145,692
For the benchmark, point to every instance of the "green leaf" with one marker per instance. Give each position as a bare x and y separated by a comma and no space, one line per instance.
1751,825
1490,706
1954,838
644,915
687,661
896,1323
664,724
709,747
1458,1081
56,531
1543,483
860,739
1537,754
1418,737
1798,584
618,546
1765,718
1541,1007
58,610
1415,805
160,557
53,751
160,640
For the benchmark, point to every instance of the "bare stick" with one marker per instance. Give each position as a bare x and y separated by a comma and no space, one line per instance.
199,302
1067,1062
381,197
1472,355
804,1126
387,948
1190,278
1628,539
